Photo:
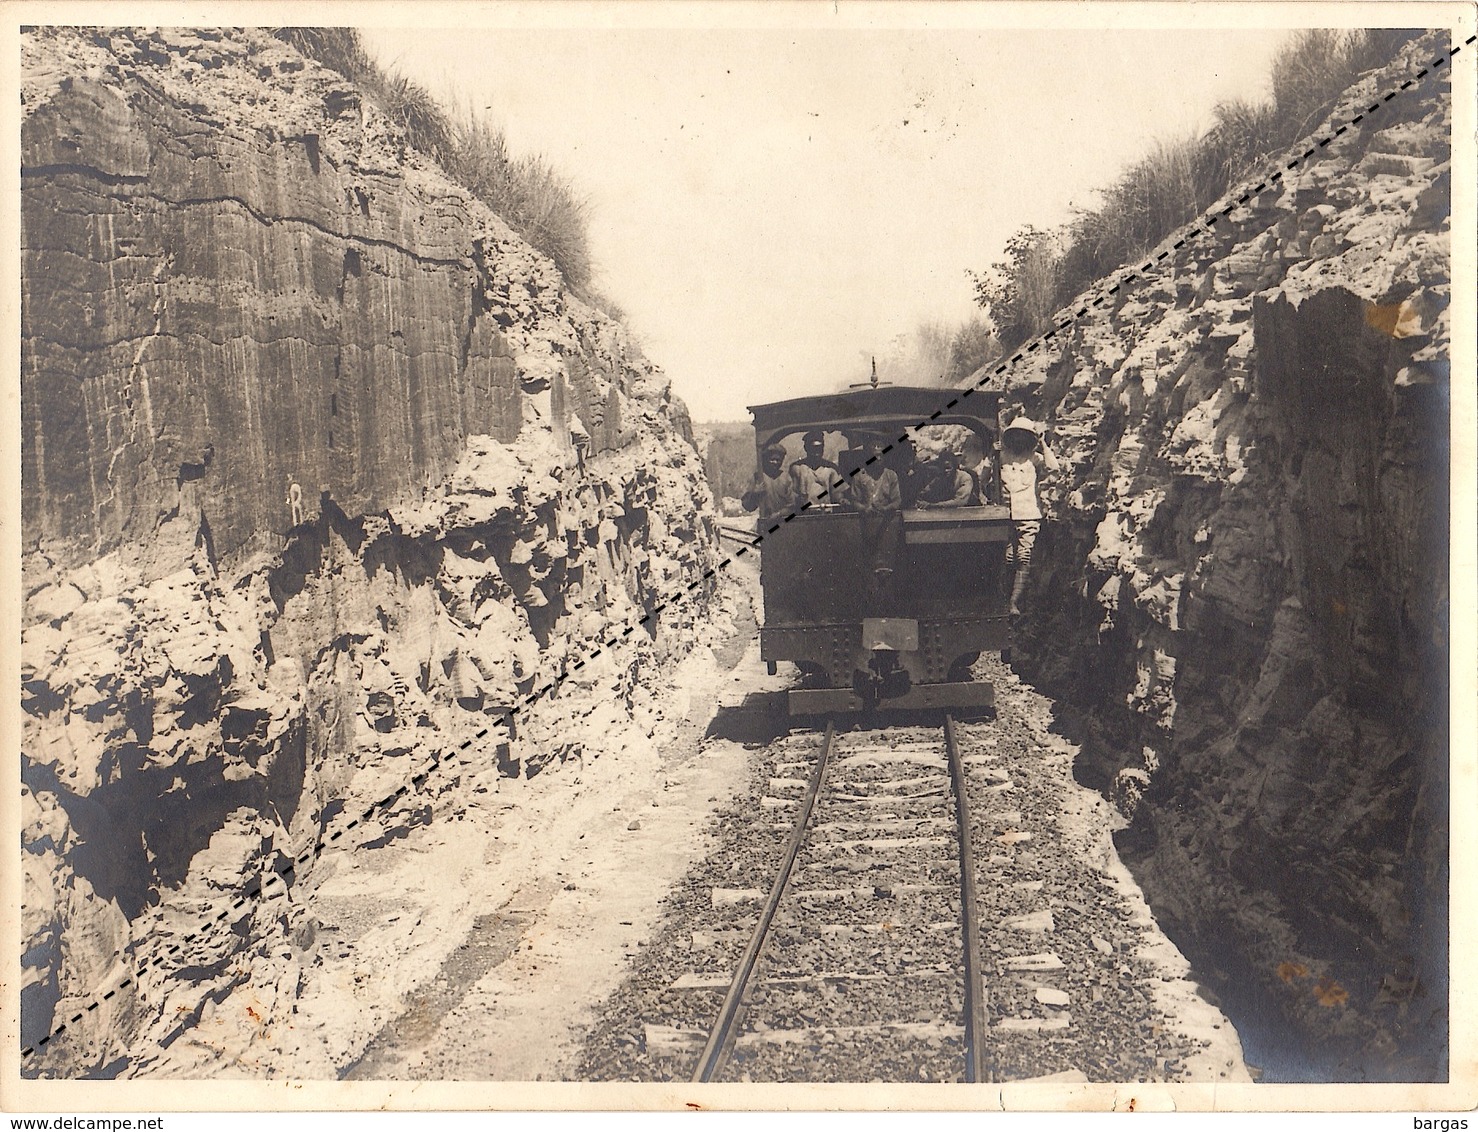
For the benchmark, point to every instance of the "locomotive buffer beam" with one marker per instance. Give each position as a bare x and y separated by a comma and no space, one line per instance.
919,697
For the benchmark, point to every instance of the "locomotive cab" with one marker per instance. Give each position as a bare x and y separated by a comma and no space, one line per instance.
887,612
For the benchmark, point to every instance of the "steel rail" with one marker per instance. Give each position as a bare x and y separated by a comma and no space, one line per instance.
738,534
977,1066
721,1037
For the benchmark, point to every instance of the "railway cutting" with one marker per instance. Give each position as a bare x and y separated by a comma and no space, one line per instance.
409,689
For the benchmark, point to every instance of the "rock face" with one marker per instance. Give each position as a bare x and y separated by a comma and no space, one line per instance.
1244,586
323,470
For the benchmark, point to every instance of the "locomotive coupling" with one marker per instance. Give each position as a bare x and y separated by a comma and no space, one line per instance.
884,679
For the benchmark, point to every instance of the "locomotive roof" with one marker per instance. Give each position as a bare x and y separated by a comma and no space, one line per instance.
881,407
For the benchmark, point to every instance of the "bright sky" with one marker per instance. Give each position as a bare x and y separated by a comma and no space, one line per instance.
771,205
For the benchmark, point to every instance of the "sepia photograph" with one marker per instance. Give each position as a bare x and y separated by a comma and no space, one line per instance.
851,556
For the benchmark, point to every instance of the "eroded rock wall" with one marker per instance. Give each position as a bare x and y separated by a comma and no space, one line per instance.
323,470
1242,590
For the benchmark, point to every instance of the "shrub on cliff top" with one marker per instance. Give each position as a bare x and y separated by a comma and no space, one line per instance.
1176,182
1020,291
535,200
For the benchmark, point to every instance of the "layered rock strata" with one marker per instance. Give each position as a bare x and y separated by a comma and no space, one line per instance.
1243,586
323,470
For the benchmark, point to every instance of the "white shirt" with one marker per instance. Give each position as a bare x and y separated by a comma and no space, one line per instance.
1019,479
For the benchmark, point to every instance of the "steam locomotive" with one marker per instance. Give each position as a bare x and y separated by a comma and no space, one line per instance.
902,636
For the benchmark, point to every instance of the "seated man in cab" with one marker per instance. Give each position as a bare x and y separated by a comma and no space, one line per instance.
912,475
950,486
875,495
814,477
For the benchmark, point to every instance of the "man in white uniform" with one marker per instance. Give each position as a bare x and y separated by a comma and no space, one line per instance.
1025,457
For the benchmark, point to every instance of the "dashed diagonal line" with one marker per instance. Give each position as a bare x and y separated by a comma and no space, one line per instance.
1194,230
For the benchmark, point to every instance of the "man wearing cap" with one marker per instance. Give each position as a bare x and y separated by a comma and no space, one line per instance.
814,477
772,492
1024,457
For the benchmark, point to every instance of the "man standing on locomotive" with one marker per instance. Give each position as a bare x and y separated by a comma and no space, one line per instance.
772,492
1024,457
816,479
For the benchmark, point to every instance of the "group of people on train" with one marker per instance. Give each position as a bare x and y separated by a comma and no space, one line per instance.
880,486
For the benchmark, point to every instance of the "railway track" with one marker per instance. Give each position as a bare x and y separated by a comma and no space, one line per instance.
869,935
863,964
735,533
